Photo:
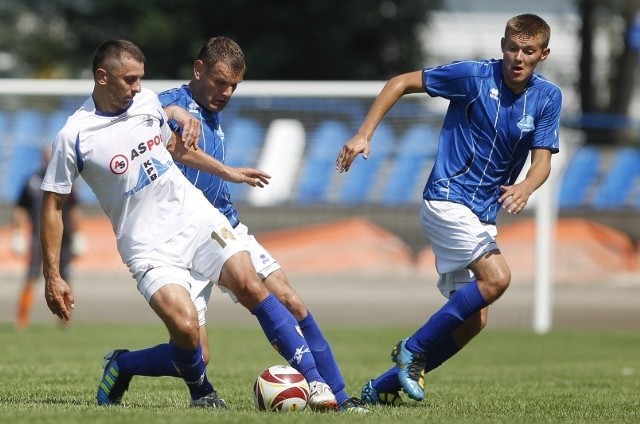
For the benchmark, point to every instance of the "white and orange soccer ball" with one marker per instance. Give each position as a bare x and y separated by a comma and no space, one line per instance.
281,388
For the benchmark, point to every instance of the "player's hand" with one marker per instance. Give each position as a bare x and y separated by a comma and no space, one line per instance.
514,198
253,177
59,297
189,125
359,144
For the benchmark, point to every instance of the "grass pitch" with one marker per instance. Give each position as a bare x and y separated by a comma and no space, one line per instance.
504,376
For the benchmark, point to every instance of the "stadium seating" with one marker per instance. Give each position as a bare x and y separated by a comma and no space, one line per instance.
243,140
581,173
360,182
413,160
615,190
281,157
393,174
319,165
25,143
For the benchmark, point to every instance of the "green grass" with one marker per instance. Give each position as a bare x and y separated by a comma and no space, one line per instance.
505,376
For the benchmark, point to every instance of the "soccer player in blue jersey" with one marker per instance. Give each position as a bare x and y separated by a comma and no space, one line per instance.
499,111
218,69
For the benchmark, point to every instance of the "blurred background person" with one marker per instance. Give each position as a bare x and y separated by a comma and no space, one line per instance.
26,214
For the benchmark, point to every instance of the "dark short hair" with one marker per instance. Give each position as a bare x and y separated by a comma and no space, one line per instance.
223,49
531,26
113,51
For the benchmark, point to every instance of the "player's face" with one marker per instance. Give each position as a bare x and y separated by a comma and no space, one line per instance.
215,85
520,56
124,82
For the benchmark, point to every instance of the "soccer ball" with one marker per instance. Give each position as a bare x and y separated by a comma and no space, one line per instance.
281,388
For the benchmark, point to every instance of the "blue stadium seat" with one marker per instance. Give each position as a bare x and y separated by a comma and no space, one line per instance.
5,155
26,144
54,124
25,159
243,140
580,174
617,185
414,156
319,164
360,181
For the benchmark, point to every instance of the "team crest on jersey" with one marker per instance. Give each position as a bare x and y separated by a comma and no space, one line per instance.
119,164
526,123
494,93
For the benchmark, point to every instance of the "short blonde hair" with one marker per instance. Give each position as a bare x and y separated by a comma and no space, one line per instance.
531,26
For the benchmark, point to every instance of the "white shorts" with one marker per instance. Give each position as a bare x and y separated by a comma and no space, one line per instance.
263,262
457,238
192,259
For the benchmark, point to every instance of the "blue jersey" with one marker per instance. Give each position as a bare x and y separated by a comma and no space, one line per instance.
211,142
487,132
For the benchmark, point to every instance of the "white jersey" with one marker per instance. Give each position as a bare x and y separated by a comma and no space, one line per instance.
124,159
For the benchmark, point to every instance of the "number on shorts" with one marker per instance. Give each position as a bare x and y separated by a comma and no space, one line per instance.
225,235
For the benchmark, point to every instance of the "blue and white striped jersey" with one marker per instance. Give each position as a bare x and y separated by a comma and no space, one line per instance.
487,132
212,142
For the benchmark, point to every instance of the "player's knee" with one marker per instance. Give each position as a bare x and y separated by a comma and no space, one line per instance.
249,290
496,285
294,304
185,332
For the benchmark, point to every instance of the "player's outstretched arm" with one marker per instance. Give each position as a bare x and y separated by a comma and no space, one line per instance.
395,88
202,161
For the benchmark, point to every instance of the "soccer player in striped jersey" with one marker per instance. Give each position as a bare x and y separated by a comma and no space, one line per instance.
218,69
499,111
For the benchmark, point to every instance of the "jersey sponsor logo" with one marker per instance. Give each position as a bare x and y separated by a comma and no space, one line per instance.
526,123
146,146
148,172
119,164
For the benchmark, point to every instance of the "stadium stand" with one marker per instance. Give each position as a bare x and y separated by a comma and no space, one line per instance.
617,185
596,178
319,165
5,157
361,179
414,156
244,137
25,144
281,157
581,173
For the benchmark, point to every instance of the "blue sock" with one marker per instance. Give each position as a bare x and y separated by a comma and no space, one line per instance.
192,369
152,362
444,351
281,330
461,305
388,380
322,354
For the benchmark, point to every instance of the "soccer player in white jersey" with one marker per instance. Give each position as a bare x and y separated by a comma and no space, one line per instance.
499,111
120,142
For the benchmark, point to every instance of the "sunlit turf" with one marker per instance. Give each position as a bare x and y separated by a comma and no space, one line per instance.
504,376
